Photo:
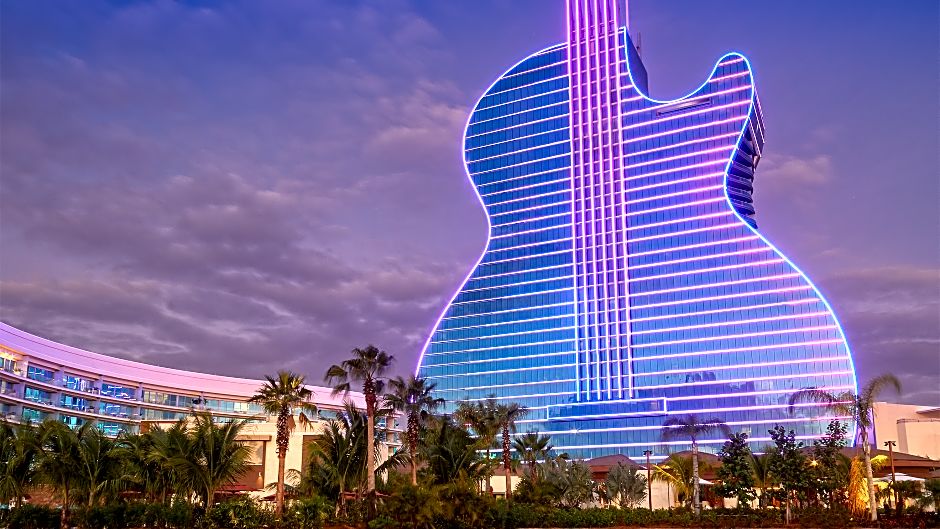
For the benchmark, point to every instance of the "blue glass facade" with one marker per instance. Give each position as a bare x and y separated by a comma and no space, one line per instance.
624,279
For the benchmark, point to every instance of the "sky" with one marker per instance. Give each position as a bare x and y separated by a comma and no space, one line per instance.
241,187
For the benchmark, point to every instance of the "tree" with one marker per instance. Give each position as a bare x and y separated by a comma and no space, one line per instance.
451,453
859,407
413,398
787,464
692,428
625,486
99,464
736,473
18,447
163,448
366,367
481,418
212,458
827,469
532,448
572,480
763,479
57,462
506,417
281,396
676,471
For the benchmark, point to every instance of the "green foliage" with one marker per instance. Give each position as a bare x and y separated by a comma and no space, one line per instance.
676,470
412,507
736,474
32,517
572,481
451,453
829,472
625,486
308,513
241,513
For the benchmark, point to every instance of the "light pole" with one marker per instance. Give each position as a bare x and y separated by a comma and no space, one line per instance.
649,482
894,485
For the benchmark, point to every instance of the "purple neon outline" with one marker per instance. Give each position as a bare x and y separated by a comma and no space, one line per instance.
749,117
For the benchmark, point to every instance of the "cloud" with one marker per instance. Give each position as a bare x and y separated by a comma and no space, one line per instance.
891,316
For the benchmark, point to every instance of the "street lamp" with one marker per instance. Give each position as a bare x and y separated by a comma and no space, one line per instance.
894,485
649,482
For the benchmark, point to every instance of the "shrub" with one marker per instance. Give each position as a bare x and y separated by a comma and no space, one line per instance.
33,517
308,513
241,513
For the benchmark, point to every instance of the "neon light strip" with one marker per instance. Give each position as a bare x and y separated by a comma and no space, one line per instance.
505,359
528,175
685,129
686,114
523,246
520,333
525,124
517,272
740,366
682,144
532,197
522,188
690,246
513,101
733,336
675,206
710,285
510,285
730,76
533,109
680,156
705,270
517,151
513,296
488,94
678,169
741,349
727,296
500,371
564,304
673,182
512,385
503,347
657,427
511,322
486,145
661,386
527,162
735,322
675,194
675,221
731,309
703,257
711,94
526,232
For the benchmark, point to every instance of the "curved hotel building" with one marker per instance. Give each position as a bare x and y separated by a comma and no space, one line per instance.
42,379
625,280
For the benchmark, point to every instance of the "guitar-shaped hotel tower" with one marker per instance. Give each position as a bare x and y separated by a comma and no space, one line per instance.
624,280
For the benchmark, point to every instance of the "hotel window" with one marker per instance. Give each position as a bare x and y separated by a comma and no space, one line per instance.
74,403
72,422
167,399
77,383
40,374
111,429
37,395
121,392
31,415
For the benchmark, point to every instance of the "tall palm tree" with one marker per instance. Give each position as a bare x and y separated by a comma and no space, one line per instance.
480,417
412,397
506,417
162,449
282,396
451,454
859,406
58,460
692,428
533,447
367,367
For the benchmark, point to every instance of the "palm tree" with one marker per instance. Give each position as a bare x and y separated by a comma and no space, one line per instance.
58,460
533,447
692,428
858,406
412,397
281,396
366,367
760,467
161,450
625,486
18,448
481,418
99,464
213,458
506,417
676,471
451,454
